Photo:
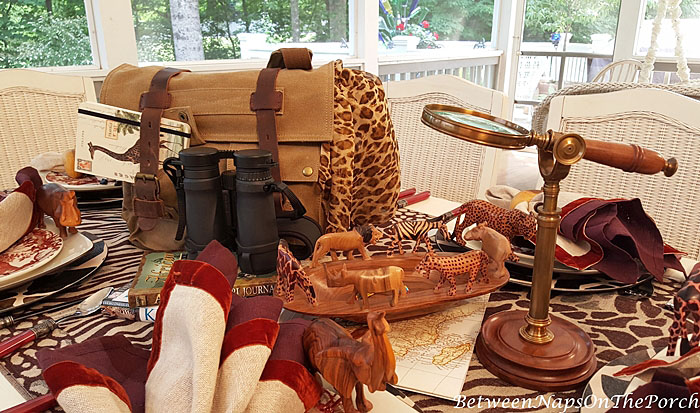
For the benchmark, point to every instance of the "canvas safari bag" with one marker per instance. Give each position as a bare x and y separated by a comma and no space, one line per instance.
328,128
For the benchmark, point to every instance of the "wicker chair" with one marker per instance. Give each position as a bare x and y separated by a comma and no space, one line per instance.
450,168
621,71
657,119
38,113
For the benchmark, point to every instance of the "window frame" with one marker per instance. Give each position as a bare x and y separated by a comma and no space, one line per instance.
113,42
629,23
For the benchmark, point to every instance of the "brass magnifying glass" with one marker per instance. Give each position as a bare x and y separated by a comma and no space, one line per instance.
533,349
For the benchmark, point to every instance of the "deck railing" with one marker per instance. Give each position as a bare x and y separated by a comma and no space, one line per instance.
478,66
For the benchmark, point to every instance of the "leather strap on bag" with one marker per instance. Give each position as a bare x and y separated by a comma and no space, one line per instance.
265,102
291,58
148,207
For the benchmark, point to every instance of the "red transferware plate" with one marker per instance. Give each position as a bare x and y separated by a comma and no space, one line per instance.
32,251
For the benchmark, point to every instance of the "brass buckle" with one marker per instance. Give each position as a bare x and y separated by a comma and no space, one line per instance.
144,176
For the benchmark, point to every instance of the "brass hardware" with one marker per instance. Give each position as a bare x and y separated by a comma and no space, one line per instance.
670,167
536,331
308,171
183,116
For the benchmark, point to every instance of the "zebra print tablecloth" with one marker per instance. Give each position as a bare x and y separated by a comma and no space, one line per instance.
617,324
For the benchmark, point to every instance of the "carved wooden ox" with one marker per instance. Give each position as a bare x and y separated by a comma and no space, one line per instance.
347,363
61,205
347,242
370,281
495,245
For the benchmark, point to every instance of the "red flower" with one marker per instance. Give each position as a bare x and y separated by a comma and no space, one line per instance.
436,35
401,26
425,24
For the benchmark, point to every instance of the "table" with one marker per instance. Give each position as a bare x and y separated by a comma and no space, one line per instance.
617,324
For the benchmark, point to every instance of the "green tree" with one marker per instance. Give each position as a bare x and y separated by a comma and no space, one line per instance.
460,19
581,18
38,33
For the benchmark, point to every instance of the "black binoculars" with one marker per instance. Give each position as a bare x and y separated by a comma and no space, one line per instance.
237,208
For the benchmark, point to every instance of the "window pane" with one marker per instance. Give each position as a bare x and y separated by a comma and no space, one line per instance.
689,27
43,33
409,25
190,30
564,42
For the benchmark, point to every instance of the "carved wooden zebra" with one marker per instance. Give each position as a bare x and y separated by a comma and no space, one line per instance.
414,230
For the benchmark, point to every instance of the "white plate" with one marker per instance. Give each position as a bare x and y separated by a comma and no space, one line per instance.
30,252
74,246
80,188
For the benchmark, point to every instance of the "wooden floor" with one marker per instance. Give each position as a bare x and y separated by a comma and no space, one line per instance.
518,169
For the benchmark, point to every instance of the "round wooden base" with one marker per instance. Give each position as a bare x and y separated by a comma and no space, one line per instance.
564,363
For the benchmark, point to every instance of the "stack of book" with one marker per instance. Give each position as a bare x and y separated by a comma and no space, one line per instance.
139,300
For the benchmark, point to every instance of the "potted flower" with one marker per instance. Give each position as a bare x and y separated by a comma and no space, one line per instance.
405,26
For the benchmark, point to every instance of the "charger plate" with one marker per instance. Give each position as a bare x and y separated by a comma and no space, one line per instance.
73,274
603,386
421,298
74,247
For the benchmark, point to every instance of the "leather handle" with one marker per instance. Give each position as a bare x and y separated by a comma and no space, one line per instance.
291,58
629,158
40,404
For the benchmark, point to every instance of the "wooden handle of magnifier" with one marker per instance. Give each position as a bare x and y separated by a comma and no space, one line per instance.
629,158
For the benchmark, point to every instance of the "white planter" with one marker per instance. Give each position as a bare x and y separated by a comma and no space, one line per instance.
406,42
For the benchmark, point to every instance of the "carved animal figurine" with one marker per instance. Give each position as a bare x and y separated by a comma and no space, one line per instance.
347,363
686,300
414,230
347,242
473,262
132,154
61,205
509,222
290,274
495,245
370,281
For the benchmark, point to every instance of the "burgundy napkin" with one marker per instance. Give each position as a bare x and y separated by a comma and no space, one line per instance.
621,237
111,356
666,384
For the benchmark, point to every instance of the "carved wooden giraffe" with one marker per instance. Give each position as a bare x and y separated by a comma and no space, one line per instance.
686,300
290,274
473,262
509,222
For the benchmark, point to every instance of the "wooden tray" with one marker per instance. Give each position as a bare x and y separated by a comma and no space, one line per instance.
421,299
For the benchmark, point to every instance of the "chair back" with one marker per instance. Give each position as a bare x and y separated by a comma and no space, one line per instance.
621,71
448,167
657,119
38,113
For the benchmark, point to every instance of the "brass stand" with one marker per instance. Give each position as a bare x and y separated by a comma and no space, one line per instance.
546,353
535,350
